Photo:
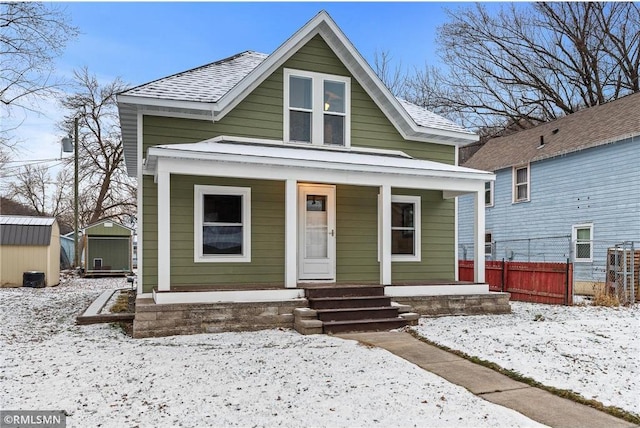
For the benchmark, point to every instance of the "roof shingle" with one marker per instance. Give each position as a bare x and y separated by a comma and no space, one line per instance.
591,127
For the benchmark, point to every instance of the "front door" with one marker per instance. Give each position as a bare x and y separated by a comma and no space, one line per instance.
316,232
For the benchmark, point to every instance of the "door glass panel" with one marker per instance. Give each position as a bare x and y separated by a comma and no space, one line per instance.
316,227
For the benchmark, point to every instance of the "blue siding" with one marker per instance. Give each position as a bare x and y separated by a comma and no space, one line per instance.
600,185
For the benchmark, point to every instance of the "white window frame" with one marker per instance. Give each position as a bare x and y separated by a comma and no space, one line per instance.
574,242
516,184
317,111
490,190
199,192
417,230
488,254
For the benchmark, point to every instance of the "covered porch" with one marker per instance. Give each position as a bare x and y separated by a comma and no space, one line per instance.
308,172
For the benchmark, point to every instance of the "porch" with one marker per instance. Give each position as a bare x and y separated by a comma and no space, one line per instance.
188,312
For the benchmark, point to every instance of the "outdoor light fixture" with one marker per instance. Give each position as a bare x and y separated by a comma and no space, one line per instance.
67,147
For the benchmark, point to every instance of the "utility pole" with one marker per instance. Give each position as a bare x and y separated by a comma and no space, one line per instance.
75,195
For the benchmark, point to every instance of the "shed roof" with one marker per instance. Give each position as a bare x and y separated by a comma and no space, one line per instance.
23,230
595,126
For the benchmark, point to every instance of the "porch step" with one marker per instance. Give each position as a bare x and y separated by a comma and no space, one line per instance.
344,291
349,302
363,325
350,314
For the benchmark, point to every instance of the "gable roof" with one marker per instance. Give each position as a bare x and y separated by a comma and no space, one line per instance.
211,91
24,230
595,126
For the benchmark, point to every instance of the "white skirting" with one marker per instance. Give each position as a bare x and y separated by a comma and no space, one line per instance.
435,290
231,296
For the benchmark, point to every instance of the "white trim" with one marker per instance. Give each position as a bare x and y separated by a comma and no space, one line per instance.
317,105
199,191
321,172
164,229
435,290
231,296
478,242
417,229
456,238
574,242
514,184
291,234
140,213
384,210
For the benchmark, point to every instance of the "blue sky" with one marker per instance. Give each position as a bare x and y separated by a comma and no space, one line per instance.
140,42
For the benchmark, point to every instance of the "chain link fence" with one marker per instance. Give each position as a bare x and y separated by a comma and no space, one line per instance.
600,263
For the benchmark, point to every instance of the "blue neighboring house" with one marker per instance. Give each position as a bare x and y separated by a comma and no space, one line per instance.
567,189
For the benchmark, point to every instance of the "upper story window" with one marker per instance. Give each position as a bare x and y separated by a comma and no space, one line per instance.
488,193
521,183
317,108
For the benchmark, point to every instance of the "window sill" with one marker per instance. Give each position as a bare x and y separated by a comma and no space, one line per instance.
222,259
405,259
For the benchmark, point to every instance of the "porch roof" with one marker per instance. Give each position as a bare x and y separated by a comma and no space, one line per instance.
338,165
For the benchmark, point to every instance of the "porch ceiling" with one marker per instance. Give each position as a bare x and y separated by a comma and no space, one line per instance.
224,156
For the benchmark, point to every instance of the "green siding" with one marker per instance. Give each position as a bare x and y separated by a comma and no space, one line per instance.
101,230
260,115
267,236
357,234
114,252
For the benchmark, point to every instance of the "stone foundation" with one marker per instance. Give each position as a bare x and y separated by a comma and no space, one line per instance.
475,304
153,320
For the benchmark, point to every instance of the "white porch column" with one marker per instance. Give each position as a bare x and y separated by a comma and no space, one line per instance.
384,208
164,239
291,234
478,233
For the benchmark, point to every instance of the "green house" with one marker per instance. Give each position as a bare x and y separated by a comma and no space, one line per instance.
260,173
108,249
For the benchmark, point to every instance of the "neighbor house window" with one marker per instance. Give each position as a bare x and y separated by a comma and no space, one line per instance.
405,228
582,237
316,108
488,193
222,224
521,183
488,246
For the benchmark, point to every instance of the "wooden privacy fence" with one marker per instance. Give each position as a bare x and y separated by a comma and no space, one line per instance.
550,283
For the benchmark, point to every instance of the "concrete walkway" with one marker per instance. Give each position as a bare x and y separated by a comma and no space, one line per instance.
537,404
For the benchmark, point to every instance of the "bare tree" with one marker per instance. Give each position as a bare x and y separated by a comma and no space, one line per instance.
392,76
33,186
32,35
530,63
106,190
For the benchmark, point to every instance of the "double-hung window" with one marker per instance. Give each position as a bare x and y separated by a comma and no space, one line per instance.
521,183
582,237
488,193
316,108
405,228
222,224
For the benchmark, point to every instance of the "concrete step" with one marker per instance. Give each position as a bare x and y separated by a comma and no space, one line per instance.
363,325
349,314
349,302
344,291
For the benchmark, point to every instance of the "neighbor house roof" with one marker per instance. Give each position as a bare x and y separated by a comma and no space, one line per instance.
595,126
23,230
211,91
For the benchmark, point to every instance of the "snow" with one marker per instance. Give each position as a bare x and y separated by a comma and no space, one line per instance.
591,350
101,377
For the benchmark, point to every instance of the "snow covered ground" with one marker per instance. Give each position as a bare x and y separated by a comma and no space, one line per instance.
594,351
101,377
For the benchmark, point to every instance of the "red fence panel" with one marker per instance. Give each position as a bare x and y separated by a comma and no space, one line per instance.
550,283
